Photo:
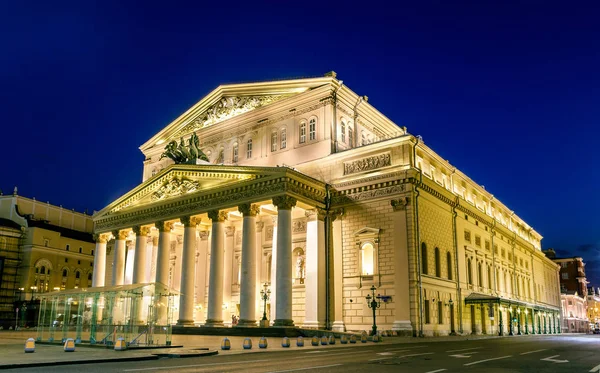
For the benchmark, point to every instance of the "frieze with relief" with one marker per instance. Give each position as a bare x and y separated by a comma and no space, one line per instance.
175,187
299,226
369,163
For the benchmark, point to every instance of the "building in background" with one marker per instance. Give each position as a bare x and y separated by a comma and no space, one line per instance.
43,248
573,293
593,306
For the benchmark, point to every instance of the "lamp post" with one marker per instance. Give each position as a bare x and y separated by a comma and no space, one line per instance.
519,320
501,322
451,305
510,321
264,295
374,305
526,322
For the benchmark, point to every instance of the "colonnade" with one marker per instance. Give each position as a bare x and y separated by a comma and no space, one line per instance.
527,320
218,274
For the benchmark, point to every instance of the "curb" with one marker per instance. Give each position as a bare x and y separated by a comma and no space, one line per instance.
77,362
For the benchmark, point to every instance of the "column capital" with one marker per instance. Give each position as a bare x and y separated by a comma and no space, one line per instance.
229,231
337,213
400,203
140,231
284,202
120,235
259,226
217,216
248,209
189,221
101,238
163,226
315,214
203,235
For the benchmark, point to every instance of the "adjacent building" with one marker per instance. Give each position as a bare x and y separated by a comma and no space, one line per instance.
43,248
308,191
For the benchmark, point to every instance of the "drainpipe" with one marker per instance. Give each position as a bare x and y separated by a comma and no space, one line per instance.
328,251
355,137
418,239
334,141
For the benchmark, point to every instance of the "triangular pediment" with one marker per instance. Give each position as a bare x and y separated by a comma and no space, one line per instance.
366,231
229,101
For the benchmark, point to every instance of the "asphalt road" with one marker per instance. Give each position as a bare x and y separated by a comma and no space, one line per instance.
561,353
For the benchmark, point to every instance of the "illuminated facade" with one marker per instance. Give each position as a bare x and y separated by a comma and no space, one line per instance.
49,248
310,189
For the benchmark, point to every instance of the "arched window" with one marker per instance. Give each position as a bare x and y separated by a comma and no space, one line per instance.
312,129
249,149
90,276
368,264
469,272
424,258
350,136
283,138
43,270
343,132
65,272
77,274
449,265
302,132
274,141
479,275
236,149
438,267
489,276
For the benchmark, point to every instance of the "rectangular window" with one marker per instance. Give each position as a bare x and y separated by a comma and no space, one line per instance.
302,133
80,249
235,153
503,253
343,132
274,142
563,265
249,149
467,236
350,136
496,249
427,321
92,252
477,241
68,247
487,245
509,256
312,129
565,276
283,139
440,313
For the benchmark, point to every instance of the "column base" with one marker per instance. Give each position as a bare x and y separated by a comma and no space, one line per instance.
185,322
283,322
400,325
313,325
338,326
246,323
213,323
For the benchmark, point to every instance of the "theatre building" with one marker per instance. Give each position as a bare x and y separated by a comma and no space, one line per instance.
302,188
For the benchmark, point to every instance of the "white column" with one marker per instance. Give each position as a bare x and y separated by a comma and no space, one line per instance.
228,274
151,246
214,315
248,278
188,275
201,269
272,315
315,281
338,268
401,282
118,277
139,263
283,288
162,267
259,268
99,260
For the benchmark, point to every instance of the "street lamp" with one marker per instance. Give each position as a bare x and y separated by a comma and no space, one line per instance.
33,289
519,320
526,322
374,305
510,321
451,305
501,326
264,295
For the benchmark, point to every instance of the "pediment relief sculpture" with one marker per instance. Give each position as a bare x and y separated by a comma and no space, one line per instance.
175,187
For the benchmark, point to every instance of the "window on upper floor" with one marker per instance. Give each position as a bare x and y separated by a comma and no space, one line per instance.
424,265
302,131
46,242
312,129
426,306
487,245
92,253
469,272
449,265
367,259
343,132
80,250
350,136
65,272
467,236
563,265
77,274
283,138
235,151
438,265
565,276
90,276
274,141
477,240
67,247
479,274
249,149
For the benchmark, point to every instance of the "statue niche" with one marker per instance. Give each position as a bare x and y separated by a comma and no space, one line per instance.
300,274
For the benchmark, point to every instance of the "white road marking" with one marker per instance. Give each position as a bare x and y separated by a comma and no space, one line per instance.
552,359
465,355
595,369
338,354
404,348
436,371
532,352
483,361
296,370
196,365
465,349
386,353
400,357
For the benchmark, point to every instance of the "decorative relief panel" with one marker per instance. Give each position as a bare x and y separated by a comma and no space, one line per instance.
175,187
269,232
299,226
238,238
369,163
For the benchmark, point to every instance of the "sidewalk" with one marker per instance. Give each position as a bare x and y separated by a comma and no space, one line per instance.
12,353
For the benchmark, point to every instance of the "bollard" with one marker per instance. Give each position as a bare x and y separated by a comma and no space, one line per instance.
344,339
353,338
363,338
226,344
285,342
30,345
314,341
376,338
324,340
247,344
300,342
331,340
262,343
69,345
120,344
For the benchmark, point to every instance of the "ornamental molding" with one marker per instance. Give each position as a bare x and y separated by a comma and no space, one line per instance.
225,108
299,225
368,163
402,174
369,192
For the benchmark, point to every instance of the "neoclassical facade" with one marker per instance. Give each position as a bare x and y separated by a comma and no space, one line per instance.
313,194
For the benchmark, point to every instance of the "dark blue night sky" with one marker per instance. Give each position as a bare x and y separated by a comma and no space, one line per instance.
508,92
